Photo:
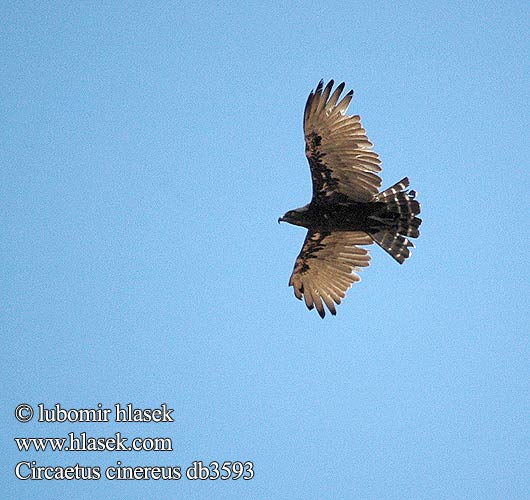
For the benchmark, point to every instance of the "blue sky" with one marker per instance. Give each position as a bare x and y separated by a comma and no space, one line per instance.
147,152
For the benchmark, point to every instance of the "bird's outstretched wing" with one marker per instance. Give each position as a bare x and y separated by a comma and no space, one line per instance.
326,267
339,153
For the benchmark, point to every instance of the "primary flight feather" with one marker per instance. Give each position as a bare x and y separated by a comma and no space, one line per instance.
347,209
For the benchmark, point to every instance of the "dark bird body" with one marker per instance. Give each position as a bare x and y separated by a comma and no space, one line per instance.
347,216
346,209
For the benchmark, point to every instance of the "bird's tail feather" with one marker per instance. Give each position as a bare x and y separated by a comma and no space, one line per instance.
398,221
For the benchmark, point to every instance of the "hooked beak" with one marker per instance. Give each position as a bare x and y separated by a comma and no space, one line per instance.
280,219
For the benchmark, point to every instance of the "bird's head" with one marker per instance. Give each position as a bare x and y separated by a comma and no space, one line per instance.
298,217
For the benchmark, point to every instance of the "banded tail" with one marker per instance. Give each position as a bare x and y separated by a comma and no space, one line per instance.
398,221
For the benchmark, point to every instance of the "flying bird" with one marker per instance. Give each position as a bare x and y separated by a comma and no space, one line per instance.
346,210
